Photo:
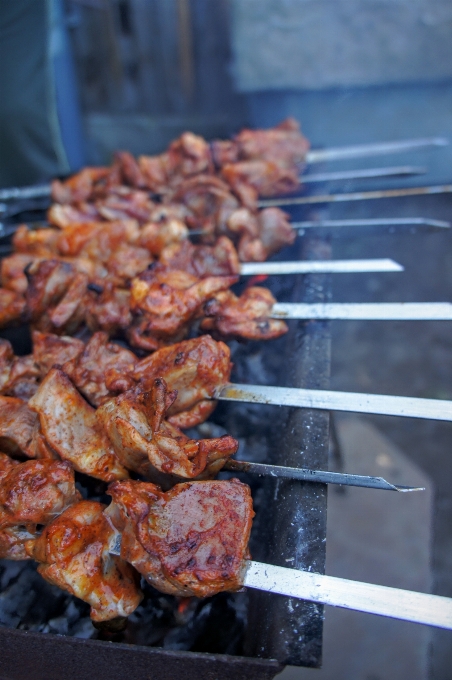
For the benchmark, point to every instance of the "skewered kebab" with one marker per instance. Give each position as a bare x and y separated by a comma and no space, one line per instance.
193,540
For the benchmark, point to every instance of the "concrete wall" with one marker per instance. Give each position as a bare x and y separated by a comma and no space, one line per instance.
315,44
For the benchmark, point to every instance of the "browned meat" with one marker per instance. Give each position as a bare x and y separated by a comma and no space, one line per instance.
79,187
272,232
18,375
73,552
40,242
6,464
129,170
155,236
12,271
108,308
145,443
195,368
247,316
165,303
189,541
267,178
50,350
102,369
97,240
63,216
69,426
17,423
283,143
55,296
127,262
32,493
220,259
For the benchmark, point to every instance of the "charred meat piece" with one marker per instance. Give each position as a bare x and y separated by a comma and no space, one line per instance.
50,350
12,307
194,368
41,242
283,143
97,240
247,316
18,375
155,236
73,552
189,541
108,308
221,259
149,445
69,426
267,178
79,187
13,271
102,369
63,216
55,296
17,424
165,303
32,494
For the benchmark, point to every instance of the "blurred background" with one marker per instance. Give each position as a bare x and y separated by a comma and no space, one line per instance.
83,78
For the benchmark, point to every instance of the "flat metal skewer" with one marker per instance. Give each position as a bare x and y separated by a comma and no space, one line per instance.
377,149
369,311
407,605
356,196
319,476
431,610
320,267
368,173
375,222
328,400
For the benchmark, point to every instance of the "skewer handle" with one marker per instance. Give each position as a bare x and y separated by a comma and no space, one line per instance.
377,149
407,605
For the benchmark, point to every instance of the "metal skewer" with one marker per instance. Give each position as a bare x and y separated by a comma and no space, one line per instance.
377,222
320,476
370,311
370,173
320,267
407,605
377,149
356,196
395,603
327,400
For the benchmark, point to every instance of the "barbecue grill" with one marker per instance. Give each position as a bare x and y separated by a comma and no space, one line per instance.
290,529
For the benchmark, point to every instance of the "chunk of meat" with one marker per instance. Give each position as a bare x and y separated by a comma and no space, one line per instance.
195,368
127,262
55,296
13,271
50,350
63,216
6,464
166,302
155,236
108,308
267,178
124,203
102,369
147,444
19,376
189,541
31,493
247,316
69,426
41,242
17,423
221,259
283,143
73,552
79,187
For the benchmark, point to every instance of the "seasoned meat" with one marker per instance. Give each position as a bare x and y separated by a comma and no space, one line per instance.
6,464
247,316
155,236
18,375
73,555
55,296
165,302
221,259
31,493
63,216
267,178
108,308
17,423
69,426
42,242
50,350
102,369
194,368
189,541
79,187
283,143
145,443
